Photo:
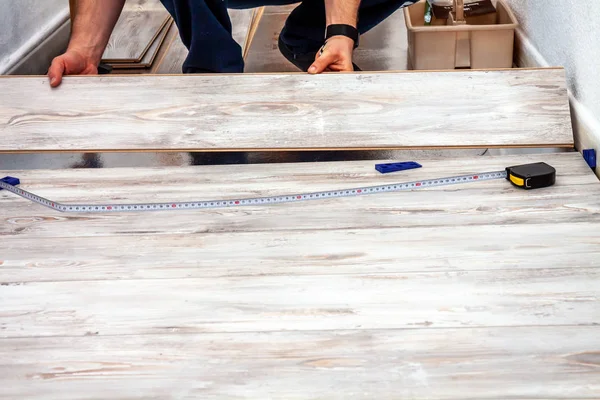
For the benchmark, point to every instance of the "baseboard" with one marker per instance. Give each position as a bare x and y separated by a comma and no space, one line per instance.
586,127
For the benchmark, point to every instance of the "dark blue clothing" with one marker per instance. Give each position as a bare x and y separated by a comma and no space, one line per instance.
205,28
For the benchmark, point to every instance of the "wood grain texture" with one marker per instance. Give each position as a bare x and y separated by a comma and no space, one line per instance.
263,53
152,52
241,25
385,47
257,14
559,218
488,363
480,288
319,302
396,110
167,60
173,59
135,31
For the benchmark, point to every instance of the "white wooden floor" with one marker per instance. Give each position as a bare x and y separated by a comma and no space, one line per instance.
383,48
470,291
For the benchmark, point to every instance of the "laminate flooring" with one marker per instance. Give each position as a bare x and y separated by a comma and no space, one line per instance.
150,56
401,110
481,290
137,28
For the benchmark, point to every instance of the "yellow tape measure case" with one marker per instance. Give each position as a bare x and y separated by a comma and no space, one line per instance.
531,176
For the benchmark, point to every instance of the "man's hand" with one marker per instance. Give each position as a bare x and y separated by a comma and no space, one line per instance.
336,55
72,62
91,28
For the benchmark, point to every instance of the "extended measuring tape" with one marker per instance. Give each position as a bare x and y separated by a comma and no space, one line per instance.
527,176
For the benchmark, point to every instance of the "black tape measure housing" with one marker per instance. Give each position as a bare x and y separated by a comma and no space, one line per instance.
531,176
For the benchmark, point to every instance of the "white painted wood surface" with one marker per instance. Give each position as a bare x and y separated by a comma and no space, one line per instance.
139,24
318,302
288,111
152,52
481,288
558,362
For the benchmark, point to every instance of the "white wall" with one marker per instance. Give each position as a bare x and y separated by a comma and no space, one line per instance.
567,33
26,23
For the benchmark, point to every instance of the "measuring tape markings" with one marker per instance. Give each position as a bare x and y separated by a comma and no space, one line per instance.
292,198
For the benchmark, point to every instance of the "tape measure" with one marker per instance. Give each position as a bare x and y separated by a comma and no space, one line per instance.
527,176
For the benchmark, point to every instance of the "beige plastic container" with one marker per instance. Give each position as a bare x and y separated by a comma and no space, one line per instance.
485,41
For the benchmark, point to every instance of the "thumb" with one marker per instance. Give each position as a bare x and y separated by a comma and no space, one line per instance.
321,63
56,71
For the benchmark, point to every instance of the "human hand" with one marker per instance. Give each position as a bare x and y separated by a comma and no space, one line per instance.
336,55
73,62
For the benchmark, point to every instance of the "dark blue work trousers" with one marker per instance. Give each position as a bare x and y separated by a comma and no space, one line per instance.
205,28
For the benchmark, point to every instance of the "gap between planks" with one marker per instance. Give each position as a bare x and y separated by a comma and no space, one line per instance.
181,332
294,149
457,71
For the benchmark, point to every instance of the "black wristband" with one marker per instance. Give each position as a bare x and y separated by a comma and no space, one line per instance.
342,30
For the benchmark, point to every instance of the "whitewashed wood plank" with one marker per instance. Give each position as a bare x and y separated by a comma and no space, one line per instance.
512,297
241,21
353,235
263,54
493,363
385,47
152,52
493,202
293,111
137,27
165,48
376,251
440,208
173,59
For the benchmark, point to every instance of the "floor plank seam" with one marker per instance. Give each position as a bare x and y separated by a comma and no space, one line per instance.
307,331
389,273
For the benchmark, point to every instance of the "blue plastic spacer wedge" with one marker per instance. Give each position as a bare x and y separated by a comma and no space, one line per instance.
589,156
11,181
394,167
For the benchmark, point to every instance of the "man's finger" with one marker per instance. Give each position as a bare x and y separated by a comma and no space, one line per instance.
56,71
324,61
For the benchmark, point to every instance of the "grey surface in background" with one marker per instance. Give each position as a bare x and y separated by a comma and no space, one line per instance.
24,24
10,162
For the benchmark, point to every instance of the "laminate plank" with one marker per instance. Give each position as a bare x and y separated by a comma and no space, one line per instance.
152,52
257,14
137,27
385,47
239,112
572,199
146,255
512,297
469,223
489,363
264,54
174,56
499,303
241,26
